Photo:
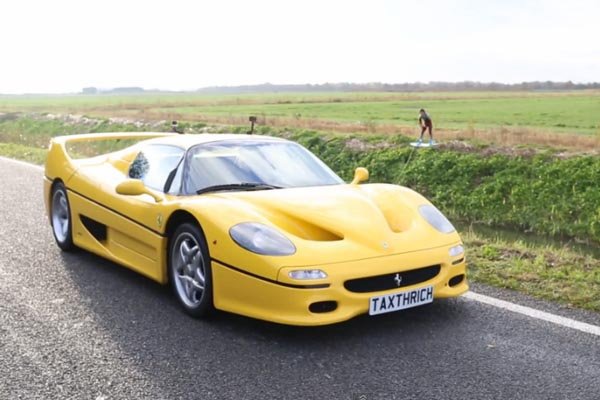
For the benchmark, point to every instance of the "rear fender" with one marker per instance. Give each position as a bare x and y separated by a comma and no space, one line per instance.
59,165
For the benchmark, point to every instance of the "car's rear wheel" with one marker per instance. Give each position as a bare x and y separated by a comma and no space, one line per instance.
60,217
189,270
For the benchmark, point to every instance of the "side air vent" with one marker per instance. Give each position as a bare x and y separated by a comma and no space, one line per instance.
95,228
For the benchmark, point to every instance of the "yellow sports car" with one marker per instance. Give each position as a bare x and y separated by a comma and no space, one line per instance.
253,225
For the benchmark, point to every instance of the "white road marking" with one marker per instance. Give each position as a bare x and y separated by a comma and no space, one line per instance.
23,163
533,313
492,301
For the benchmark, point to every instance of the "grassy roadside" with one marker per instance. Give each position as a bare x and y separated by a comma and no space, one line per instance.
558,274
34,155
548,272
26,136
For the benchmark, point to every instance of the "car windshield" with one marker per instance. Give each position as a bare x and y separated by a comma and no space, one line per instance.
268,163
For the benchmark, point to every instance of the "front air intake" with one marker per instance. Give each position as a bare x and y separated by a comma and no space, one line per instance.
456,280
394,280
322,307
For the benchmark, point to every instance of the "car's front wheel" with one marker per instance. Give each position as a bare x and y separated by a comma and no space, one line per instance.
60,217
189,270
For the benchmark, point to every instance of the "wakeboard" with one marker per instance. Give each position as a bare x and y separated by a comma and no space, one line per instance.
423,144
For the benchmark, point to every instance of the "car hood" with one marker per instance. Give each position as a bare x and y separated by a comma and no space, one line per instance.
337,223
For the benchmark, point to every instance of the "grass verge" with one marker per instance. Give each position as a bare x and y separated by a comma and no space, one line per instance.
34,155
558,274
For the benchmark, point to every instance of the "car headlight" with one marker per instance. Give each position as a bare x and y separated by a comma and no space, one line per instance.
261,239
436,218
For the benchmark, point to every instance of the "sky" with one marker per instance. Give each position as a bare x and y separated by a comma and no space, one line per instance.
61,46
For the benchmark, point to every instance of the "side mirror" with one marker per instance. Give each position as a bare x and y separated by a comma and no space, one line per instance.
360,175
135,187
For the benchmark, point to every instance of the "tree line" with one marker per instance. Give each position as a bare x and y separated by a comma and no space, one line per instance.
369,87
404,87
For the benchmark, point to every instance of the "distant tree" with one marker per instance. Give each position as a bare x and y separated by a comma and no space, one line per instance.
132,89
89,90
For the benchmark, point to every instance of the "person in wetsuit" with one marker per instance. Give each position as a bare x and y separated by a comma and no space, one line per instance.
426,125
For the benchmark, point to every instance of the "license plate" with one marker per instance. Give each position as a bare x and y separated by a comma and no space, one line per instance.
400,300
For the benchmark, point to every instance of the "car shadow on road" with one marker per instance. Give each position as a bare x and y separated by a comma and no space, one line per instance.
106,283
145,321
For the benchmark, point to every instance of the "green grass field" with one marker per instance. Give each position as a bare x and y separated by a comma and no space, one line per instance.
558,112
565,114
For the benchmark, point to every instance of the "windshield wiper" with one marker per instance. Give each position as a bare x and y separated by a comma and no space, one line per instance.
237,186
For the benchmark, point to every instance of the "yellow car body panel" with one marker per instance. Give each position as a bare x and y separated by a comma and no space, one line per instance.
243,294
349,231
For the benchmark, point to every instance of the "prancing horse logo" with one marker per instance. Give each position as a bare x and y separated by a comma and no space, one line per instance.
398,280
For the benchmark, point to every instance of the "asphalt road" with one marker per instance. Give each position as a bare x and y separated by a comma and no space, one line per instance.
76,326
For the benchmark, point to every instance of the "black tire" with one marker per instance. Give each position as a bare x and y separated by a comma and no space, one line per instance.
189,270
60,217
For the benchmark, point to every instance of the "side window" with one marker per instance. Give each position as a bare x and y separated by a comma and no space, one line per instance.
154,164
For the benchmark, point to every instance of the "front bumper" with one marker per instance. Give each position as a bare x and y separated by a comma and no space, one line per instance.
242,293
